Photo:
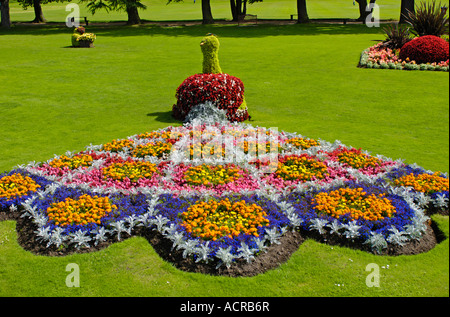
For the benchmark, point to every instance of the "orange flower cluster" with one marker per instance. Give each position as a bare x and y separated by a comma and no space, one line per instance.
16,185
199,149
72,162
213,219
118,145
168,135
157,149
131,170
255,147
211,175
425,183
303,143
354,202
301,167
253,132
82,211
202,135
356,159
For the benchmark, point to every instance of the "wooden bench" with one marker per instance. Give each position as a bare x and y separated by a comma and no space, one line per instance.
86,22
343,20
247,18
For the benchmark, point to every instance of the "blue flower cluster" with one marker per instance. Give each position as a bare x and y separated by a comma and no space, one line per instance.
127,206
303,205
17,201
439,200
172,207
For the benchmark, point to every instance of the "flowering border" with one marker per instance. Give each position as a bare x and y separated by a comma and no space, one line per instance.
153,206
365,62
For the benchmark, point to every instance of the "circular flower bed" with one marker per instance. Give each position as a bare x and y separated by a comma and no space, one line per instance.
212,215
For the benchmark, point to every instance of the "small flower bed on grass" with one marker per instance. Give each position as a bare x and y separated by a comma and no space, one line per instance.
379,56
227,209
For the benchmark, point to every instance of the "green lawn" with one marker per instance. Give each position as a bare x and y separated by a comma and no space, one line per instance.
300,78
158,10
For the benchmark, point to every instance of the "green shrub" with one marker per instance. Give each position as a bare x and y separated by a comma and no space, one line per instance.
429,19
396,36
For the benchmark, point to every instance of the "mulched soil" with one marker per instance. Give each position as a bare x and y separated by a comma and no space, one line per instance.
274,256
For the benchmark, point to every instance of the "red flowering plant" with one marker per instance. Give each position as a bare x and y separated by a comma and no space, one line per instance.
425,49
223,90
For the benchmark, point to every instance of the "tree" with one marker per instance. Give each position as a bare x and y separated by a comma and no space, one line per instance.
239,7
37,6
38,14
363,10
4,13
130,6
407,5
302,12
207,17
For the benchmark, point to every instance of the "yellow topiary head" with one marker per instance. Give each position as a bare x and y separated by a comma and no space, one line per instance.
210,49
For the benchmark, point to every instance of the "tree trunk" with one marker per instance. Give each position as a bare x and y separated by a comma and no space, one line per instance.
38,14
206,12
233,10
4,13
236,8
133,15
362,9
302,12
407,5
363,12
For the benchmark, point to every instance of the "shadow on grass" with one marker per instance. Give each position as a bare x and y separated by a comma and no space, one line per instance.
223,30
163,116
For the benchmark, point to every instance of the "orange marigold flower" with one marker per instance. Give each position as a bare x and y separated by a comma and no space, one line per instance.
16,185
86,209
213,220
354,202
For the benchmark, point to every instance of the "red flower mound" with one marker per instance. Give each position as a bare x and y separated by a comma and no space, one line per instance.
225,91
425,49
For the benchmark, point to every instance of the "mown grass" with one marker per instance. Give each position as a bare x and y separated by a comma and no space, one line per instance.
298,78
132,268
159,10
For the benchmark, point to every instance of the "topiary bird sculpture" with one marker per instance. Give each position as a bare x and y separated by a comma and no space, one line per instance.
212,85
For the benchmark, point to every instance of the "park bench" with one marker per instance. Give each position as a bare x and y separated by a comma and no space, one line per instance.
86,22
247,18
343,20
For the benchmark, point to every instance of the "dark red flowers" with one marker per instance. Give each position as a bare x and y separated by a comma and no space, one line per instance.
223,90
425,49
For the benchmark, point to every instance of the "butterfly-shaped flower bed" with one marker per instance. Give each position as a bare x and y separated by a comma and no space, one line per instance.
225,198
